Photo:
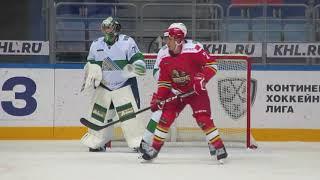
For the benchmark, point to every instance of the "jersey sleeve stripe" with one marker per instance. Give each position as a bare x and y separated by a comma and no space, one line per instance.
95,62
136,57
212,68
164,82
164,86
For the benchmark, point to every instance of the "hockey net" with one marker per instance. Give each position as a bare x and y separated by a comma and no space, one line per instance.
230,92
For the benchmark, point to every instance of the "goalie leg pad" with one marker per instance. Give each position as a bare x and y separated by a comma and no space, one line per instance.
125,106
98,113
99,106
97,139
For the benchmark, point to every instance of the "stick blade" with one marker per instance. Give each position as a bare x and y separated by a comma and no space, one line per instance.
90,125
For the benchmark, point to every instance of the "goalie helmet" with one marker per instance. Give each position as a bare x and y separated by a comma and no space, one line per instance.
177,30
111,28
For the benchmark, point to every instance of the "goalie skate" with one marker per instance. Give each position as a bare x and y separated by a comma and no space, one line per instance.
101,149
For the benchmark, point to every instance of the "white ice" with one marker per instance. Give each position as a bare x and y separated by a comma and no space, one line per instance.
69,160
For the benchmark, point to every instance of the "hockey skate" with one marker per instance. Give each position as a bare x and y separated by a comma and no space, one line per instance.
143,146
149,153
136,149
101,149
220,153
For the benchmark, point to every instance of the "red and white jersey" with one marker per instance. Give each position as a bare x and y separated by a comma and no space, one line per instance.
178,71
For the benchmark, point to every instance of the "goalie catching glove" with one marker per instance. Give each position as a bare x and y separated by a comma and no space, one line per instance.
93,76
138,68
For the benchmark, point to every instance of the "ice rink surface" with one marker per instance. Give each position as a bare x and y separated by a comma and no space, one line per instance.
69,160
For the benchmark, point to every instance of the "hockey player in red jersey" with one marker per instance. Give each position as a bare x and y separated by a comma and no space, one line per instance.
185,67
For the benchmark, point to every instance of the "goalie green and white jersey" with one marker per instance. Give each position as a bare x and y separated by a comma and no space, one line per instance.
113,58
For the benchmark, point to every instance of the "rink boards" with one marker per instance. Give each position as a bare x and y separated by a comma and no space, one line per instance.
44,102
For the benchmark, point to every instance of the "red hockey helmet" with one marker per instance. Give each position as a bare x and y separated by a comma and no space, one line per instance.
177,30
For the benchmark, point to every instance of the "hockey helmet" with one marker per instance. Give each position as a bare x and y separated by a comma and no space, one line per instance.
111,23
111,28
177,30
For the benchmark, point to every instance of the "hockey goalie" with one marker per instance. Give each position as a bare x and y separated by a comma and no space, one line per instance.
114,61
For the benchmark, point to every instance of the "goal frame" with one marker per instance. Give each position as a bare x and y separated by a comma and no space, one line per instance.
249,139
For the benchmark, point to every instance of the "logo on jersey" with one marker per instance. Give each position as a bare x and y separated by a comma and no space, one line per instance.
134,50
125,111
233,95
179,77
99,112
109,65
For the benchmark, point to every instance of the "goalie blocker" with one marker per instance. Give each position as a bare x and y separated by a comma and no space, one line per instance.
107,106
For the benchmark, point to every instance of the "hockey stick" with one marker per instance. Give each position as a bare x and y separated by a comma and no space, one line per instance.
96,127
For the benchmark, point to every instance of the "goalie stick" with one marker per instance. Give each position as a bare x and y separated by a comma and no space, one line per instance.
96,127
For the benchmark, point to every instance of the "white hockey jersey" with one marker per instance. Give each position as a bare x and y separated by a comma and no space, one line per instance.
124,51
158,60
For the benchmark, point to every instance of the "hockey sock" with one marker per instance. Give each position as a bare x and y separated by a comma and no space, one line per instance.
161,132
160,135
151,127
212,137
212,133
148,134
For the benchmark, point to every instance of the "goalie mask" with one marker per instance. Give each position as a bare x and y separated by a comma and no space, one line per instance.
111,28
177,33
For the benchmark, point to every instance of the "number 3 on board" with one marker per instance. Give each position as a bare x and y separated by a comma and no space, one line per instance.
30,89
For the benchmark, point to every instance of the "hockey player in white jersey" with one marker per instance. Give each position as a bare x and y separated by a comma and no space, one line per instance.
114,61
155,116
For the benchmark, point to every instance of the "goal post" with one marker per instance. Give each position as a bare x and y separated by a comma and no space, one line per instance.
231,92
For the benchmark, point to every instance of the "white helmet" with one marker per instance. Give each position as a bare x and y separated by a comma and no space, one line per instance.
166,34
177,30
